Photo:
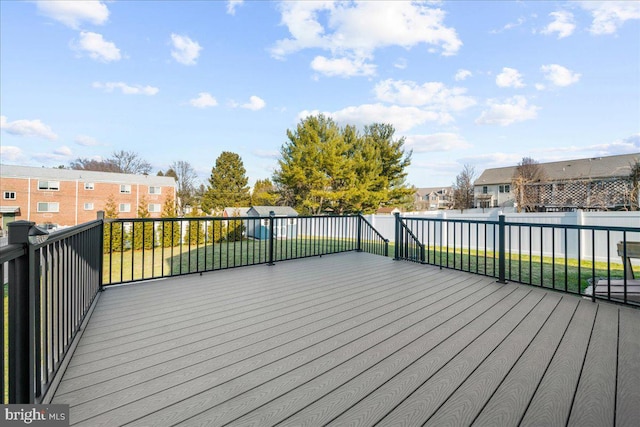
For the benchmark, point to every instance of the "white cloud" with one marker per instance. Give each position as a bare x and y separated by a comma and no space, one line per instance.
608,16
63,151
509,77
430,94
203,100
400,64
444,141
27,128
540,86
255,103
628,145
97,47
232,5
462,74
559,75
562,23
10,153
86,141
512,110
185,50
72,13
402,118
509,26
126,89
342,67
357,29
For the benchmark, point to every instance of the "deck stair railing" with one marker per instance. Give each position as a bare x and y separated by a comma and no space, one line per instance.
50,284
586,260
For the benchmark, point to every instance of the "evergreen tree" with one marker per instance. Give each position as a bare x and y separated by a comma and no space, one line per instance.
171,229
264,193
112,231
327,168
227,184
143,232
195,231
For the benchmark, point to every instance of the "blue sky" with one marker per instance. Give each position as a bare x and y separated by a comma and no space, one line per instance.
465,82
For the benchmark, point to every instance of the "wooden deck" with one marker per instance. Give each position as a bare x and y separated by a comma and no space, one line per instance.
352,339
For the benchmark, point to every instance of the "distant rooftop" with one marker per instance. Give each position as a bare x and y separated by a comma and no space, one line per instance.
12,171
591,168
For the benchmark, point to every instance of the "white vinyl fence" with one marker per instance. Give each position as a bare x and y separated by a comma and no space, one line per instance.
531,239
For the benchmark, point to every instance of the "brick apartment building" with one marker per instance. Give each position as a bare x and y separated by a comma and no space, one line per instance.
63,197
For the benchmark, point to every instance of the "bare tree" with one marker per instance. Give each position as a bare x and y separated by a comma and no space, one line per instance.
528,172
93,165
186,178
130,162
119,162
463,188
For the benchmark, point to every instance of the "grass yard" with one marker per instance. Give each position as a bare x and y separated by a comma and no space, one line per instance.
162,262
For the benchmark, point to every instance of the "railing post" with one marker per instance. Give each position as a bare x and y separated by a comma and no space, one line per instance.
359,234
396,248
272,216
501,250
21,348
101,252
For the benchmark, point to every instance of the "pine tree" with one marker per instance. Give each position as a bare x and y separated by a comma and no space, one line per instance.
195,231
113,230
143,232
264,193
170,229
327,168
227,184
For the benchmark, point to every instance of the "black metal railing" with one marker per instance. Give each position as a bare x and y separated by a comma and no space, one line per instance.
50,283
580,259
141,249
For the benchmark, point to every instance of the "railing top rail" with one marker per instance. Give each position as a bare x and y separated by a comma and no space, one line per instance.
529,224
11,252
224,218
68,232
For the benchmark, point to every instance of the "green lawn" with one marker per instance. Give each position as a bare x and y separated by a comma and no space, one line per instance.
532,270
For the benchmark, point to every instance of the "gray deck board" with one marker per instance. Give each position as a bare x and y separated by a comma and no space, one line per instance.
351,339
628,390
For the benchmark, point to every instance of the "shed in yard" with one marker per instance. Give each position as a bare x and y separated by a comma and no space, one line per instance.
284,228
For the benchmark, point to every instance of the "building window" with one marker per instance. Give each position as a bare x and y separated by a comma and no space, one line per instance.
9,195
88,206
126,189
154,207
125,207
49,185
505,188
48,207
485,189
88,185
155,190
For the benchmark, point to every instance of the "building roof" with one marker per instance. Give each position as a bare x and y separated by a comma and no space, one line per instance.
238,211
12,171
565,170
278,210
